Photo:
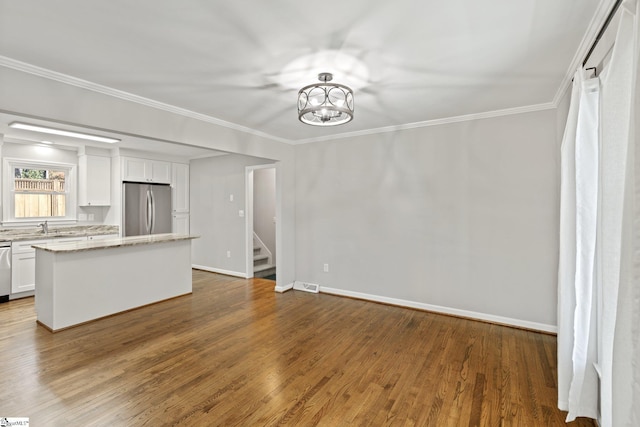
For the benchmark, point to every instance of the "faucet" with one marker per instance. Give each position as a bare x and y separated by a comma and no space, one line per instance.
45,227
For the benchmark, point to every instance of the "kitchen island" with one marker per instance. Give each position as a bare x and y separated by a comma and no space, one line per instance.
77,282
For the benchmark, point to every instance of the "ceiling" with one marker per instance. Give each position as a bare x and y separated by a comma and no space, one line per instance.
243,61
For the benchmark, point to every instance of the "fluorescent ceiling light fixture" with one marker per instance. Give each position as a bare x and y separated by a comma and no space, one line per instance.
52,131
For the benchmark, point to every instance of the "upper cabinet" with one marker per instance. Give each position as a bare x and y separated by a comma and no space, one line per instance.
144,170
94,185
160,172
180,187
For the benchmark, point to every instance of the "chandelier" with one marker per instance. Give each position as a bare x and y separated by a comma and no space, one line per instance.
325,104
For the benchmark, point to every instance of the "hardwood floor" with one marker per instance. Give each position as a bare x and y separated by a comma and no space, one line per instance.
237,353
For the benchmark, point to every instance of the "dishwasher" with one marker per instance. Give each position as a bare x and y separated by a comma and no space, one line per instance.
5,271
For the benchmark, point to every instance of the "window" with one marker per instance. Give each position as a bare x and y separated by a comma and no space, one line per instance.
39,193
35,191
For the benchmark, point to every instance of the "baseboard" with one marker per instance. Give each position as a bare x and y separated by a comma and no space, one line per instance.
284,288
525,324
220,271
22,295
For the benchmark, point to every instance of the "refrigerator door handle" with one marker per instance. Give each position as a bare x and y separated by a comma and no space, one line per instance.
153,212
149,212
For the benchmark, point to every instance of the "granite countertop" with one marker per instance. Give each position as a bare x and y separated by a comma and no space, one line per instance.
17,234
67,247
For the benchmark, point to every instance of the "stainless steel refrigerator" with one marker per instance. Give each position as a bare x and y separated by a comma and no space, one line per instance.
146,208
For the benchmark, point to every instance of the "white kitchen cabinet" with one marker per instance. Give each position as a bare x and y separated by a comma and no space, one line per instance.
160,172
94,185
23,263
180,223
23,272
180,187
145,170
134,169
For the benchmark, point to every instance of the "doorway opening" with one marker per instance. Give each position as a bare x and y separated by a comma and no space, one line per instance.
261,221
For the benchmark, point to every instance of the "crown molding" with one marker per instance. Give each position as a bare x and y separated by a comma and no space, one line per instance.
126,96
599,17
434,122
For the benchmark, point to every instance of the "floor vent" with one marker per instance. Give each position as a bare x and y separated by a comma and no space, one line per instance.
307,287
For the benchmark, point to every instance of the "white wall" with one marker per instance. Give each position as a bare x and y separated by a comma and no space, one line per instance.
264,207
460,217
214,217
39,152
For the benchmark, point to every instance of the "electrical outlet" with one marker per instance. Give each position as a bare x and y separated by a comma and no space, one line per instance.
91,217
326,268
228,254
241,213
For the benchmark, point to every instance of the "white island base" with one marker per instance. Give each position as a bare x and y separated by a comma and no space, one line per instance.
82,281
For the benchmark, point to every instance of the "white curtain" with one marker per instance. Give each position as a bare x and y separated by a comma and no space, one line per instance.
621,381
618,89
615,275
577,344
567,250
626,360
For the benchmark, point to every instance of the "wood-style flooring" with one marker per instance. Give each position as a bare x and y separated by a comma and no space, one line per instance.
235,353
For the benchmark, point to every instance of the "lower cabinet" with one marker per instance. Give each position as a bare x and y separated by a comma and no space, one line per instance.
23,267
180,223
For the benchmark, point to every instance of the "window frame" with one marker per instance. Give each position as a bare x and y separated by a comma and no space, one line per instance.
8,191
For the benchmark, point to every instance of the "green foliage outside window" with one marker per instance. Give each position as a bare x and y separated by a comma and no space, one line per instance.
31,173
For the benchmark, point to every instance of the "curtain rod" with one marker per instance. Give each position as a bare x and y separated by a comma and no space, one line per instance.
602,30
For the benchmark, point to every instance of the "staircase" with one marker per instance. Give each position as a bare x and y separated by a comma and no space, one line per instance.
261,263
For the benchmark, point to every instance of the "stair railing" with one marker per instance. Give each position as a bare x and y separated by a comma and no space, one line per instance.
263,247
